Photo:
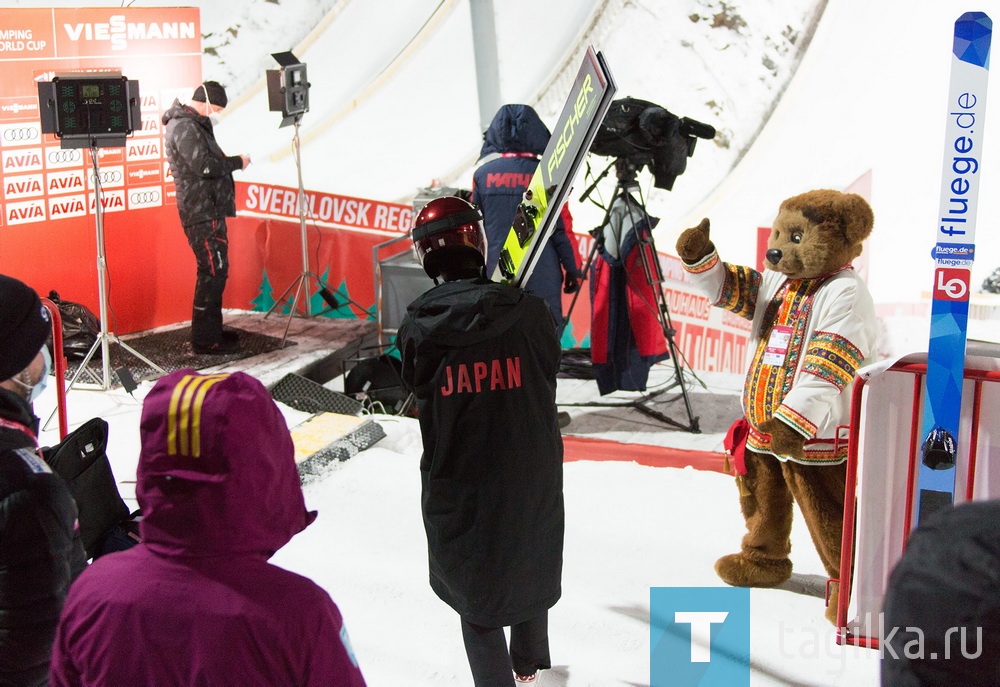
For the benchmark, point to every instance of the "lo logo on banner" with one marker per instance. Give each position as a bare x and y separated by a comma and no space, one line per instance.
699,637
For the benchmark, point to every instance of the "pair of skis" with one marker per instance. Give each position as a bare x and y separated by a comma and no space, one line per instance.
535,219
954,253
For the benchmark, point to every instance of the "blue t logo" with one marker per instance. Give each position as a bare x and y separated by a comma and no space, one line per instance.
699,637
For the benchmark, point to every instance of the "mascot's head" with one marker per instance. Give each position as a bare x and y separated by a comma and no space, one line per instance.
818,232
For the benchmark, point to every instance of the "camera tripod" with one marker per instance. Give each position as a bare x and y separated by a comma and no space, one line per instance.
635,218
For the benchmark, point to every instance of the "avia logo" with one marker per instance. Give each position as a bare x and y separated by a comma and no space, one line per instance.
22,161
112,201
119,32
21,187
72,206
63,182
143,150
22,213
699,636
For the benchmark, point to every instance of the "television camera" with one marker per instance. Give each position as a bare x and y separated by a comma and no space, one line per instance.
640,133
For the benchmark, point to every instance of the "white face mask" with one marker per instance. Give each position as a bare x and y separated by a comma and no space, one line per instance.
35,390
214,117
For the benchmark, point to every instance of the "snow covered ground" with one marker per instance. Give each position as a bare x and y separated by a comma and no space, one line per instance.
628,528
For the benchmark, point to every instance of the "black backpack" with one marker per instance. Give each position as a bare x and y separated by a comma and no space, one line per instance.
81,460
378,380
80,327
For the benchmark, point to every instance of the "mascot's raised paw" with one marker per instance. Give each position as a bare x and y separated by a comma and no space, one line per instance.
784,440
694,244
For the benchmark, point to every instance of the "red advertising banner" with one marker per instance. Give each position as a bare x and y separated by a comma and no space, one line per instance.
48,233
341,233
323,209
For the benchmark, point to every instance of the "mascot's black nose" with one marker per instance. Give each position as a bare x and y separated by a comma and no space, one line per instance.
773,256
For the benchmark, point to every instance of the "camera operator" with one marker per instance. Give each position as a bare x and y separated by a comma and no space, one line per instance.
206,195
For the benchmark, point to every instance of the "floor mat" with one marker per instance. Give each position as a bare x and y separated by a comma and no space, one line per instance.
171,350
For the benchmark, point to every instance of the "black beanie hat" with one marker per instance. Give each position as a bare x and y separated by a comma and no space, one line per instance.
211,92
24,326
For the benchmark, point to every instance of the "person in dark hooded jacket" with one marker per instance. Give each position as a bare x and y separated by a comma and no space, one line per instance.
206,196
941,623
481,359
512,146
196,602
40,547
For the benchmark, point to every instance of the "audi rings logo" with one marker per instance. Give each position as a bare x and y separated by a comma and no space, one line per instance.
57,156
144,197
21,133
109,176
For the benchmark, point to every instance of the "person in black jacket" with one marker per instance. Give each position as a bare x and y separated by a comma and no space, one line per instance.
206,195
481,359
40,548
941,623
512,146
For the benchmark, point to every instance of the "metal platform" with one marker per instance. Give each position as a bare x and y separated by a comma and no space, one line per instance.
316,348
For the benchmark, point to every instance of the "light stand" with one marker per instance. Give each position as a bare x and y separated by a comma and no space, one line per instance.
301,283
105,336
94,110
288,93
639,220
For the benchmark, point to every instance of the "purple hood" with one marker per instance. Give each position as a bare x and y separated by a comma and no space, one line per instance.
217,472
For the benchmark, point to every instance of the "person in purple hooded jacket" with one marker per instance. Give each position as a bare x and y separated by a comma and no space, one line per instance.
197,603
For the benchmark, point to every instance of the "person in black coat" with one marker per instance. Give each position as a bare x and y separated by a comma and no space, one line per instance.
40,548
206,196
481,359
941,622
512,146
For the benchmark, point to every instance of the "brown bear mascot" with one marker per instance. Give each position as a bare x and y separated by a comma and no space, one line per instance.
813,326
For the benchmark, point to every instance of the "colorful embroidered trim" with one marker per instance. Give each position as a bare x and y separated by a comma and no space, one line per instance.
739,290
703,265
833,358
816,451
767,385
800,422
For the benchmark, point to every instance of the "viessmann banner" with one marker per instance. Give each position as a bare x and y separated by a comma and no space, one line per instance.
47,213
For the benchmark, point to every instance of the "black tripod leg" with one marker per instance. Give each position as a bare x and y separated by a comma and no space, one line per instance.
583,278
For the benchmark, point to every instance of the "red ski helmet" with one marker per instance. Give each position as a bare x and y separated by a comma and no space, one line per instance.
445,229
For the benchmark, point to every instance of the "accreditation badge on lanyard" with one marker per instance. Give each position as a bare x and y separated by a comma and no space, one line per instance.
777,345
